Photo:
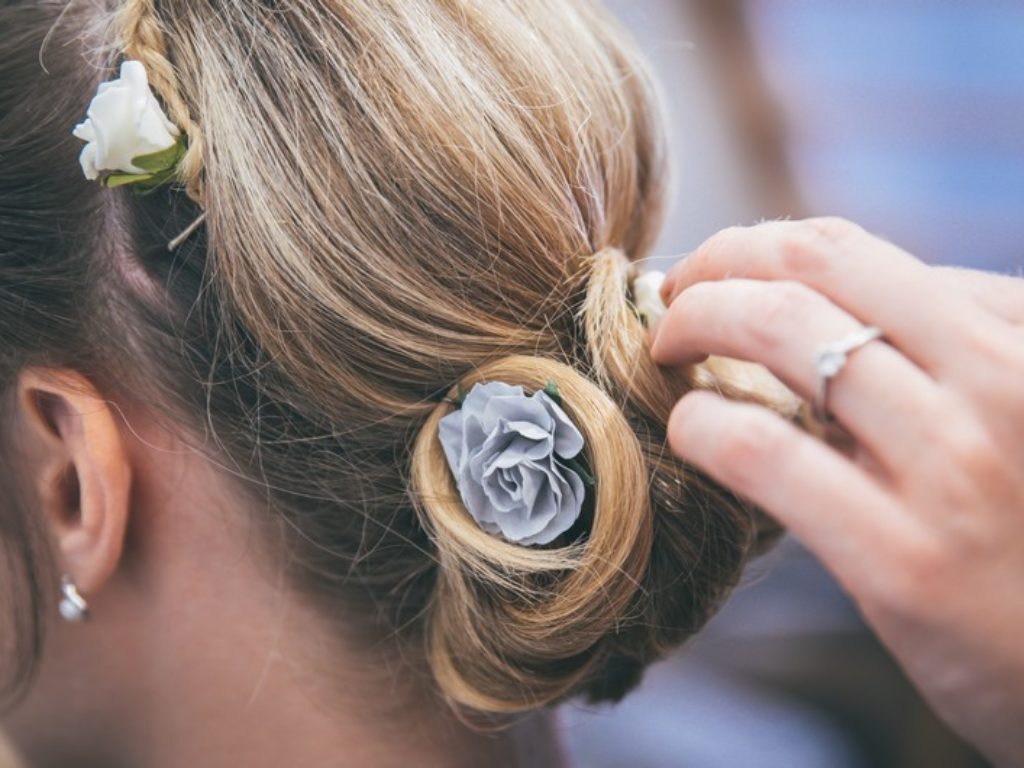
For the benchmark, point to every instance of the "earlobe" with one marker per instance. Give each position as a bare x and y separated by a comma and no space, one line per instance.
80,468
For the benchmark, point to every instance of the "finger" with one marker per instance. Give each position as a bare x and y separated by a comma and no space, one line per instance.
881,398
1002,295
876,282
844,516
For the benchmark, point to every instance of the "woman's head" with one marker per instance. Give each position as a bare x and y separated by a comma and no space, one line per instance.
402,197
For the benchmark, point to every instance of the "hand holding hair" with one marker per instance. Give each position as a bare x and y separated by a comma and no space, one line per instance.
919,512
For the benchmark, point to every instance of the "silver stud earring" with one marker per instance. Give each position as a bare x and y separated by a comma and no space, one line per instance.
72,605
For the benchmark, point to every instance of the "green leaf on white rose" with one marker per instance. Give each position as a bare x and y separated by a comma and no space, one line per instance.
142,183
152,185
162,160
121,179
160,168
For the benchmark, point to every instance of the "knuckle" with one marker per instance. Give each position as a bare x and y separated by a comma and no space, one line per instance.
970,447
742,446
911,576
834,229
999,367
813,245
703,260
781,307
966,457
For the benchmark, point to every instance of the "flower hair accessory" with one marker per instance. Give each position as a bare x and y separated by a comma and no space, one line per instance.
129,138
647,297
515,459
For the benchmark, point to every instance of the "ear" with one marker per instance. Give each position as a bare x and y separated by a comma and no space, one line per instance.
80,470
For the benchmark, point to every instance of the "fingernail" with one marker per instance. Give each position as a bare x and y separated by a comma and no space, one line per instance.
668,285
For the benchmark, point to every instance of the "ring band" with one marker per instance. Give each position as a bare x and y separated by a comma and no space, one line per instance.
830,360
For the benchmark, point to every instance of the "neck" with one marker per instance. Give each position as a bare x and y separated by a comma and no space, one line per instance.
266,699
255,693
238,675
211,660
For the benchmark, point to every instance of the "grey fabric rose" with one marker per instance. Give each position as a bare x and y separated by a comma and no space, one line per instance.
503,448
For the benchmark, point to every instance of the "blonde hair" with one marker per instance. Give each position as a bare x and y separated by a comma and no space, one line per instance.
404,197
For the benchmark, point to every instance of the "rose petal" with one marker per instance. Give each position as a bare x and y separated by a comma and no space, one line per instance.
475,403
113,122
475,498
450,431
521,444
518,408
154,131
504,493
483,458
453,442
523,525
527,429
572,493
568,438
472,435
133,75
87,159
511,482
84,131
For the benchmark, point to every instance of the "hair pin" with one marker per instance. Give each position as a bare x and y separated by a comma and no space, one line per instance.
189,230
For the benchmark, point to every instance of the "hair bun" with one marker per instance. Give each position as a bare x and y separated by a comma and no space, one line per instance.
655,551
513,627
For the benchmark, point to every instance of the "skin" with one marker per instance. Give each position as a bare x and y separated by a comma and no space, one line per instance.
196,653
917,506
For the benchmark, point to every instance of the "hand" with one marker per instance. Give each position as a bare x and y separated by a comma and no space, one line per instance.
922,521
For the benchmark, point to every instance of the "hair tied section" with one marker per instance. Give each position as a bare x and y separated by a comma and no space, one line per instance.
618,343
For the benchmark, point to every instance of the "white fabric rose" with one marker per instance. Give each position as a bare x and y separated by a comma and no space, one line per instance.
503,447
647,297
124,121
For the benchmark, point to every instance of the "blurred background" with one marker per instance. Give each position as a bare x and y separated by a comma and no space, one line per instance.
908,118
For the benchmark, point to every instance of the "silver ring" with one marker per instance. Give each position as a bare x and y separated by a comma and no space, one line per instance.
831,359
